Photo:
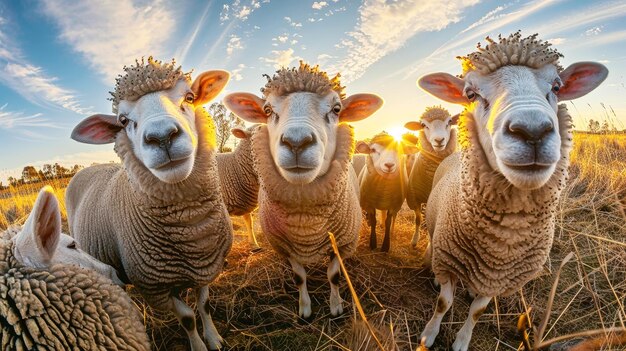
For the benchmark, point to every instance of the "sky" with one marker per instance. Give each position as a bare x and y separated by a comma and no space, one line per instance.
59,58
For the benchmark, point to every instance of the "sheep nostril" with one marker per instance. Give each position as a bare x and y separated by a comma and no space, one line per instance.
296,144
389,165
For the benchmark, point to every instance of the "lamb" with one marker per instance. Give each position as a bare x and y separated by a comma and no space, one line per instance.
383,182
302,155
54,296
239,181
491,217
437,139
159,217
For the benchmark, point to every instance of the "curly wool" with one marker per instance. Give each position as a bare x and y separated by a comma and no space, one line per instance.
512,50
64,308
491,235
145,78
296,219
302,79
435,113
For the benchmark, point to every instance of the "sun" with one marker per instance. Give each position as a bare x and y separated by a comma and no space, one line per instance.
397,132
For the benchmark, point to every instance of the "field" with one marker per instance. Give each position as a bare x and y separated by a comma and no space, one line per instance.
255,299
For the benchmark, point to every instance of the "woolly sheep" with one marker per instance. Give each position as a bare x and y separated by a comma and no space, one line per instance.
239,181
437,139
383,182
302,157
159,217
358,162
491,218
54,296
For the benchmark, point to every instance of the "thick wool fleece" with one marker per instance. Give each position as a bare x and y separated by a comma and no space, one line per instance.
238,179
424,168
296,219
163,238
64,308
491,235
358,162
379,192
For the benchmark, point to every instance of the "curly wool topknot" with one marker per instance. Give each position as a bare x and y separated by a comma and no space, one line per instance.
303,78
144,78
435,113
513,50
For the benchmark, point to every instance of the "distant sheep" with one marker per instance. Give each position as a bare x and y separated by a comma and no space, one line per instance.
302,155
159,217
54,296
491,217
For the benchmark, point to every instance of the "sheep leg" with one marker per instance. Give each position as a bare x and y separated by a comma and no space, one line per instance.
416,235
187,319
464,335
371,216
304,309
247,218
209,331
444,301
386,241
335,302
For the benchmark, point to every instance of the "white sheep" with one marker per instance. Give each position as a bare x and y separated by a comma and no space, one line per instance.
358,162
491,218
239,181
383,182
302,155
54,296
159,217
437,140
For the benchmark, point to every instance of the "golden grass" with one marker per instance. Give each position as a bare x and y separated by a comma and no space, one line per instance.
255,299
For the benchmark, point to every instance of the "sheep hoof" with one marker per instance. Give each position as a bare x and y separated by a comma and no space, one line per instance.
461,343
384,248
429,334
305,320
336,309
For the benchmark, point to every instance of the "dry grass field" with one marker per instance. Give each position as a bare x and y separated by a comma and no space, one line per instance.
255,299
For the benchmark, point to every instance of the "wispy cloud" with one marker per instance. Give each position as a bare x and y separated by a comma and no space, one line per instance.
17,120
319,5
292,22
280,58
236,73
181,53
384,27
488,17
112,33
240,10
234,43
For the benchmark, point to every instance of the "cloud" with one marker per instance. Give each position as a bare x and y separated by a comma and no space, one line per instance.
181,53
322,59
234,43
17,120
239,11
556,41
282,38
488,17
280,58
319,5
292,22
236,73
384,27
593,31
112,33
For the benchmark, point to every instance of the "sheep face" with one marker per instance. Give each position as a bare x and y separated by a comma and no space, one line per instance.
436,131
161,126
515,111
302,127
40,243
386,157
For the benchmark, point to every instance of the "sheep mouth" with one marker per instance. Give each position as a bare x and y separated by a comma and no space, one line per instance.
299,170
172,164
531,167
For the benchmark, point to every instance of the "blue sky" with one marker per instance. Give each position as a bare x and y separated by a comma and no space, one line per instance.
59,58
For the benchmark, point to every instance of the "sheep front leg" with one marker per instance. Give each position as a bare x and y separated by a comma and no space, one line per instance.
444,301
464,335
416,235
304,302
371,219
247,218
209,331
187,319
336,307
388,221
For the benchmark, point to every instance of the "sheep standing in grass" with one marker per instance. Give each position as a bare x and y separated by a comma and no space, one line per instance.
239,181
54,296
491,217
159,217
437,139
383,182
302,155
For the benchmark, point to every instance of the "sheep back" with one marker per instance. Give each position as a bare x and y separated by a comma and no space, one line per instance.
238,179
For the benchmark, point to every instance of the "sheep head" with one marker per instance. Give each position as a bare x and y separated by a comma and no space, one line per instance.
302,108
512,88
435,125
385,153
155,106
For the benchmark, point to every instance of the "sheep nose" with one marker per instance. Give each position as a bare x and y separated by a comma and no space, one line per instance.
297,143
161,137
389,165
532,133
439,141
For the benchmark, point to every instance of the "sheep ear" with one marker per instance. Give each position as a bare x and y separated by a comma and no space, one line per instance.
42,228
359,106
415,126
581,78
409,149
445,87
362,148
455,119
97,129
248,107
208,85
240,133
410,139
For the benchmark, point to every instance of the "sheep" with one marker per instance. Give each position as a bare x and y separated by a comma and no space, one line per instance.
54,296
159,217
358,162
302,155
437,139
239,181
383,181
491,217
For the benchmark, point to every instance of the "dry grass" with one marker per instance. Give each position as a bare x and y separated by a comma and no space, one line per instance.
255,299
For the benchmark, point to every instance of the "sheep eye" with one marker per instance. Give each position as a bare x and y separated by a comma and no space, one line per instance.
189,98
424,125
268,110
471,95
556,86
72,245
123,120
337,108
